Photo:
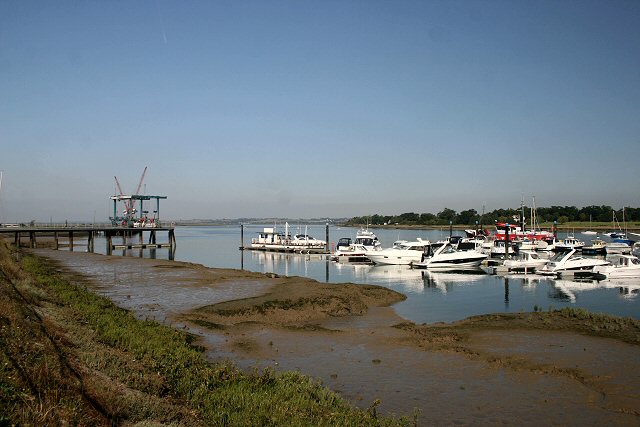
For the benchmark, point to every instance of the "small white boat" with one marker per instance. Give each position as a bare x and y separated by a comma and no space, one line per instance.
351,253
569,243
622,266
525,261
402,253
368,239
532,245
447,257
499,249
617,248
307,241
570,262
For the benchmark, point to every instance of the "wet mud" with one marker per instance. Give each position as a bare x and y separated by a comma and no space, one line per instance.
351,339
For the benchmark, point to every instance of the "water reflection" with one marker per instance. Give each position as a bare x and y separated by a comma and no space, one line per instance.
571,290
445,281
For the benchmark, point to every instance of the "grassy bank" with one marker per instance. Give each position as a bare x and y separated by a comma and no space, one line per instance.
70,356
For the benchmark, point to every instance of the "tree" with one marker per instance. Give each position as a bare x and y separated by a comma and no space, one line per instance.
468,217
446,215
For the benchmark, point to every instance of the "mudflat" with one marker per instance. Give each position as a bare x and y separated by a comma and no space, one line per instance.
566,367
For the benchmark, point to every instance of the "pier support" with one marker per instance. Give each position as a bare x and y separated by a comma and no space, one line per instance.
326,246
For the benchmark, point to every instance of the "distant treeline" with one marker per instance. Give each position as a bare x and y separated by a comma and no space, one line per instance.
561,214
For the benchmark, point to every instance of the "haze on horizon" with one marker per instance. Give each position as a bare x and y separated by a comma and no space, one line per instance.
306,109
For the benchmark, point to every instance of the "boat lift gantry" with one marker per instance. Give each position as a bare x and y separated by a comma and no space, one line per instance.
129,217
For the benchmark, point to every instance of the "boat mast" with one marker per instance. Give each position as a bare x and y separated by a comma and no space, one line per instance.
522,214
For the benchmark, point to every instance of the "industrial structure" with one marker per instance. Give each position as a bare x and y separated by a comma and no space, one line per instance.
134,213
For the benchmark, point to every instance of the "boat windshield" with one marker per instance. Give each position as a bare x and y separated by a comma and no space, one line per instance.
558,256
366,241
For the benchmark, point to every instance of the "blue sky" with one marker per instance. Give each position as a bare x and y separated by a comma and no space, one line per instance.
317,108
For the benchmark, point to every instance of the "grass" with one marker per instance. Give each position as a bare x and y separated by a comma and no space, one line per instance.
68,356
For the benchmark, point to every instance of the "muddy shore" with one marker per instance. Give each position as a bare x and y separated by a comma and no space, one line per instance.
519,369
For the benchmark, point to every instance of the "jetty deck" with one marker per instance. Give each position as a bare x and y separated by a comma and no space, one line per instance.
84,235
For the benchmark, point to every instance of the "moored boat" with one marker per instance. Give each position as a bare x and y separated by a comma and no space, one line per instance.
525,261
570,262
618,246
569,243
597,247
368,239
402,253
622,266
351,253
447,257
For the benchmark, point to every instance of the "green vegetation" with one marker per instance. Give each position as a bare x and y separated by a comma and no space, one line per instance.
68,356
601,216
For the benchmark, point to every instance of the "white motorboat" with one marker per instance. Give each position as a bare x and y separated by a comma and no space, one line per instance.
622,266
569,243
525,261
402,253
447,257
368,239
569,262
351,253
500,248
618,246
307,241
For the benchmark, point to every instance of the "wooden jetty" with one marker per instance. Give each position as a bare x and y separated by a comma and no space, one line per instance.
130,237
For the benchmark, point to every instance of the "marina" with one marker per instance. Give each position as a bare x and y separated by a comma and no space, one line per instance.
432,295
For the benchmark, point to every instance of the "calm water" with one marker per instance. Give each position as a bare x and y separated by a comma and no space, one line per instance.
431,296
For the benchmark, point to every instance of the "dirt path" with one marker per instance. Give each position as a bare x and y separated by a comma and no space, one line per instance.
469,373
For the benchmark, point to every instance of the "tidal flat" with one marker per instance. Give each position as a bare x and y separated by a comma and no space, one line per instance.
568,367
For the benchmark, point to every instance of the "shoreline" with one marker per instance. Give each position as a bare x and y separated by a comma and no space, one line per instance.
368,353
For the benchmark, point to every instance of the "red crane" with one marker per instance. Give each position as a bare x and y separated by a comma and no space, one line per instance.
128,203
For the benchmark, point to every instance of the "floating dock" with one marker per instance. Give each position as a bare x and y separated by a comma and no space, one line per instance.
287,249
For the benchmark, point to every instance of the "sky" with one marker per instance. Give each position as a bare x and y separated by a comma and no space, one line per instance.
312,109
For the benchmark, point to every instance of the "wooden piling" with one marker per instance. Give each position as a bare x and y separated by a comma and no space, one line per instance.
326,245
